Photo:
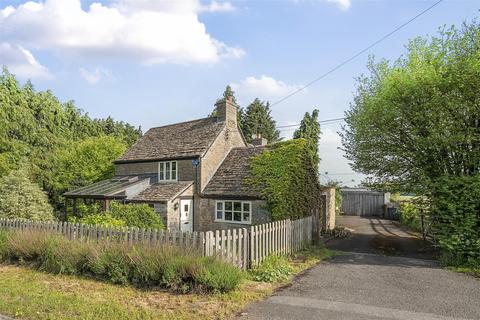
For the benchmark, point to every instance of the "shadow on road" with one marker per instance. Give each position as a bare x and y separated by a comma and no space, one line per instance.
379,236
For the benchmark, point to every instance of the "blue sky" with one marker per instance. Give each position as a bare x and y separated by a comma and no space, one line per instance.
153,62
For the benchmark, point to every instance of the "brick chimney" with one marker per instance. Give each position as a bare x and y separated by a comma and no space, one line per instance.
227,110
259,141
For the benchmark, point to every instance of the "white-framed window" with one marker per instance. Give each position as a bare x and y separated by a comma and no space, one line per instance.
233,211
167,171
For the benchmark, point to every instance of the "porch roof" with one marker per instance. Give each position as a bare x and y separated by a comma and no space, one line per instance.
113,188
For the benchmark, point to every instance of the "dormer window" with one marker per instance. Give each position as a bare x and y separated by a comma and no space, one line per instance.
167,171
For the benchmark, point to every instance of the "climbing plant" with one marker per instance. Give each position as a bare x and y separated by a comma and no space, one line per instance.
286,178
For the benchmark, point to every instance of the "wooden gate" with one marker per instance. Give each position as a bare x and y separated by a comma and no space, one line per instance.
363,203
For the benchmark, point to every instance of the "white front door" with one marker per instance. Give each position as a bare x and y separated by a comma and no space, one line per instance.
186,215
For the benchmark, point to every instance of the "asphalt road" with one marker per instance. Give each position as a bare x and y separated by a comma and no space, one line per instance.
386,272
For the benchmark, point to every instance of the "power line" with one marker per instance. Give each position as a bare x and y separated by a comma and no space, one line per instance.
356,55
320,122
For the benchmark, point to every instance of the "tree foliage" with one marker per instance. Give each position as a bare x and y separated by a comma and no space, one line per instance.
419,118
414,126
285,176
22,198
310,130
37,127
80,164
259,121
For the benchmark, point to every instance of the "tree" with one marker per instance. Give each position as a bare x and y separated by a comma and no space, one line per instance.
82,163
36,127
310,130
258,121
414,126
418,119
22,198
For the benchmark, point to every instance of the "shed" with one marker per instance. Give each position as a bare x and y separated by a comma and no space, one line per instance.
364,202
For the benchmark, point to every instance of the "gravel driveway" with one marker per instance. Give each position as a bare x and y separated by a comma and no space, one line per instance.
386,272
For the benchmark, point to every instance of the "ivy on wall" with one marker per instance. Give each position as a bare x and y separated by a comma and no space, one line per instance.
286,178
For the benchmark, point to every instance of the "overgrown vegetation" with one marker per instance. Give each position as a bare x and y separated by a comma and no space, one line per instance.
414,127
62,147
175,268
132,215
285,176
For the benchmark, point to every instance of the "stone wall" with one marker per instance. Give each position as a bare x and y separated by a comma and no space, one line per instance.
205,221
123,169
330,213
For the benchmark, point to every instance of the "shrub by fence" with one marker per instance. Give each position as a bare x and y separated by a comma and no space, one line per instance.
242,247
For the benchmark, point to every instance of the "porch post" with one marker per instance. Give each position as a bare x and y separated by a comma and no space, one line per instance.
65,214
75,207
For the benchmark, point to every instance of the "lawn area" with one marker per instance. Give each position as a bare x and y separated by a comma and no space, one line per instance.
30,294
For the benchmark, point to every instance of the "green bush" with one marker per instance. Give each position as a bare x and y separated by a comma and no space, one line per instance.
219,277
456,208
272,269
104,219
170,267
20,198
119,215
136,215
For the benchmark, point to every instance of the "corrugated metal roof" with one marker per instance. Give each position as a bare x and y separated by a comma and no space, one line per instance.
107,188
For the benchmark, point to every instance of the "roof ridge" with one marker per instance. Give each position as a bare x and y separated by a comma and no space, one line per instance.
183,122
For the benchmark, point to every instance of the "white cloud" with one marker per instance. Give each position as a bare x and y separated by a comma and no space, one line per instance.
148,31
21,62
342,4
263,87
215,6
95,75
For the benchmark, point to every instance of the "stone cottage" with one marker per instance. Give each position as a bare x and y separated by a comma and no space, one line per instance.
192,173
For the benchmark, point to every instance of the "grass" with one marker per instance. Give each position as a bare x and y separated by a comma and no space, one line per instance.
31,294
473,271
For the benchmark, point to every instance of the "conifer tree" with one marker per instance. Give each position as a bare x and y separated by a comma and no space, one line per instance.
259,121
310,130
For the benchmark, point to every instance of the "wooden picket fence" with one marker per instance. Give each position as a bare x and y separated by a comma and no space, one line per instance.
242,247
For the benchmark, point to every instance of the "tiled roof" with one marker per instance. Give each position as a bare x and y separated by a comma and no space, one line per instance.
113,187
162,191
230,178
181,140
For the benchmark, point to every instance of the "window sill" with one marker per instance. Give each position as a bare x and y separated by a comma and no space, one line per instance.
233,222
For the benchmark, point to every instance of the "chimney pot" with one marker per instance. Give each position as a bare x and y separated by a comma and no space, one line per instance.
259,141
